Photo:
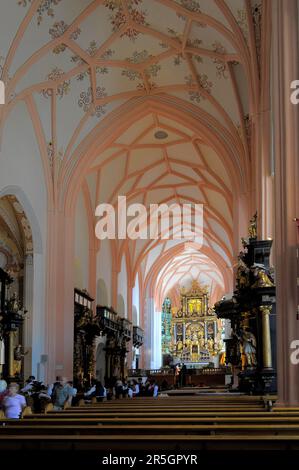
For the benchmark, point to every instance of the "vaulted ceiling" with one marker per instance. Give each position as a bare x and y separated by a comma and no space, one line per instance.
190,68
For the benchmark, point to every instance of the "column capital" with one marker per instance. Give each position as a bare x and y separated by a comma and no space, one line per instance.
265,309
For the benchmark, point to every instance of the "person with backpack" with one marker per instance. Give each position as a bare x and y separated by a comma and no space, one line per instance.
61,393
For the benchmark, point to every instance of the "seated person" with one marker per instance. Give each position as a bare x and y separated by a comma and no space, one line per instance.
125,388
153,389
118,388
130,392
101,391
136,389
29,385
97,390
141,387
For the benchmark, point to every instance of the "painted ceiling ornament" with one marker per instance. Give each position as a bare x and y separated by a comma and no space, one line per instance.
119,18
46,6
221,65
57,30
138,58
92,50
62,88
242,21
194,7
24,3
151,86
86,103
194,43
174,35
205,84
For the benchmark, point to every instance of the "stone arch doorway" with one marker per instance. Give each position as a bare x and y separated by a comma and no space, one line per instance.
16,263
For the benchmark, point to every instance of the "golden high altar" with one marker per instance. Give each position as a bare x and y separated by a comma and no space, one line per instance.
194,327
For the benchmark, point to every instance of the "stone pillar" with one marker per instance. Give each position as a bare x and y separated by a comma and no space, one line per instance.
267,354
28,304
60,296
285,118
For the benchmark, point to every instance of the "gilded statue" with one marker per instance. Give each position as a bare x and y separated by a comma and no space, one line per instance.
252,229
14,304
242,275
19,353
179,347
210,344
262,279
244,242
248,343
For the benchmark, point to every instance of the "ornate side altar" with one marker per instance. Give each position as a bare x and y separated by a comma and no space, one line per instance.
104,322
85,331
12,316
251,311
194,332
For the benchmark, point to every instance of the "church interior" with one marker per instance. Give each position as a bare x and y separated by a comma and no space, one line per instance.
180,340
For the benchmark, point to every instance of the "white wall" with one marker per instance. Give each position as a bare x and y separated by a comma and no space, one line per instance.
152,345
122,286
104,268
81,245
135,302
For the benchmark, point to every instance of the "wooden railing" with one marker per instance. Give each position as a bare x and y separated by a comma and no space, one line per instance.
203,371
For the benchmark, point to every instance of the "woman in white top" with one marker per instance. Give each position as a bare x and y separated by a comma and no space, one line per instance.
14,403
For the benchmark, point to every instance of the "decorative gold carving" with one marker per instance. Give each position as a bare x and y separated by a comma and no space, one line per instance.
262,278
242,275
194,326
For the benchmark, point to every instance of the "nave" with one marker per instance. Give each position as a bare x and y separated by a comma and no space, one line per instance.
150,107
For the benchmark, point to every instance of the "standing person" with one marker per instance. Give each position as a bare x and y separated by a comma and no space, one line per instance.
72,391
61,393
183,375
13,403
156,390
177,372
153,389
